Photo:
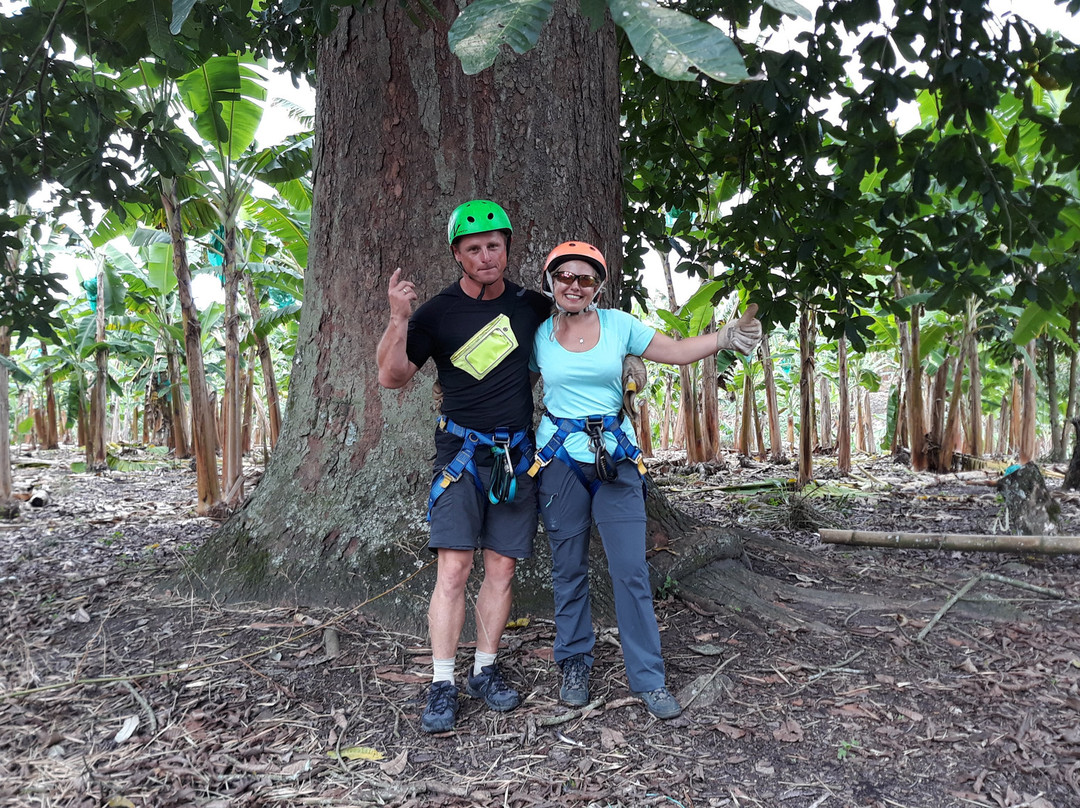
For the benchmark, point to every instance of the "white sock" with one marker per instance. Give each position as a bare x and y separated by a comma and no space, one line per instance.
443,670
482,661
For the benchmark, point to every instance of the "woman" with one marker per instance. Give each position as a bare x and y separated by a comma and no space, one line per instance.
592,469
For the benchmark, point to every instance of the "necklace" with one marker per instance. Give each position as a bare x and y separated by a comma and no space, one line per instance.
581,341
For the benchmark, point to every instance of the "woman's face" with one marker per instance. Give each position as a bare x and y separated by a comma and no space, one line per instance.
574,285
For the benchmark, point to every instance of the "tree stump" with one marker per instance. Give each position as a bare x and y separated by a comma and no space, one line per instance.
1030,510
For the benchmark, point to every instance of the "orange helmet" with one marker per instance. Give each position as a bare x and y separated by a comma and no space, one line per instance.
573,251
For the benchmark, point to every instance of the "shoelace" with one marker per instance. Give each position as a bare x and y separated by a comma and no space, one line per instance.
496,684
441,698
576,675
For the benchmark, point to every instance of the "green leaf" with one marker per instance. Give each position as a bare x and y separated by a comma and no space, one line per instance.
486,25
226,100
159,268
17,373
674,322
672,43
1031,322
787,7
700,307
593,10
180,10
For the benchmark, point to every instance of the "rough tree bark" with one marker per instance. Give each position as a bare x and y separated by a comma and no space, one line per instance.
96,439
806,398
402,138
843,431
1028,409
776,440
202,413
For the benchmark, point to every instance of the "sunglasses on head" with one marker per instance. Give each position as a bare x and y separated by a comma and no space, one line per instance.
584,281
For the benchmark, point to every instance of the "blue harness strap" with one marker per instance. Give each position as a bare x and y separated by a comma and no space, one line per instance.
501,441
624,450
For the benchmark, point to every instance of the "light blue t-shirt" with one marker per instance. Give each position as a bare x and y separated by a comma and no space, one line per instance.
589,383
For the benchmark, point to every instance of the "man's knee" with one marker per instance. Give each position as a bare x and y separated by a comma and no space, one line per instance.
454,569
498,569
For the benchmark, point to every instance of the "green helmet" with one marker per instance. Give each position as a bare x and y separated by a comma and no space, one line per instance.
477,216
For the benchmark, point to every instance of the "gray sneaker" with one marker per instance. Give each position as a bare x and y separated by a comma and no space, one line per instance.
660,703
441,709
490,686
575,681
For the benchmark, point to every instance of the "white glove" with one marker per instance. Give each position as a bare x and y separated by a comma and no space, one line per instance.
740,335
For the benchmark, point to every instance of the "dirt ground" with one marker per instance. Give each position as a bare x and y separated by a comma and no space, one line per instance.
118,692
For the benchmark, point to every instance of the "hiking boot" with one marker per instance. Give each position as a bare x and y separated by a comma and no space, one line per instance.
660,703
490,686
575,681
442,707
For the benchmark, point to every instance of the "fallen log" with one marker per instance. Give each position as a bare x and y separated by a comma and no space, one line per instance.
1048,545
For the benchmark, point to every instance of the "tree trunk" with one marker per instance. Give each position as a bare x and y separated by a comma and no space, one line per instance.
665,430
710,406
843,430
916,408
974,384
178,428
1074,368
806,397
939,389
403,136
1057,447
1016,408
870,444
825,419
951,433
746,421
273,406
202,416
1030,406
776,440
232,472
9,506
51,439
99,400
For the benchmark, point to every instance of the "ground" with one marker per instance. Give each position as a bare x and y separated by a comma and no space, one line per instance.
121,689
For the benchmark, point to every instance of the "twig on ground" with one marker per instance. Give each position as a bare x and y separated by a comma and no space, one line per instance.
708,682
984,576
556,720
150,717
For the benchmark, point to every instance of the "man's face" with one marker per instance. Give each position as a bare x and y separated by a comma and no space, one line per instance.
482,256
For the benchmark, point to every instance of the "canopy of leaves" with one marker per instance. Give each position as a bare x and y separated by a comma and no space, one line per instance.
808,202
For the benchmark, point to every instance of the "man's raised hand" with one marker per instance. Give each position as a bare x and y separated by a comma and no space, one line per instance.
401,296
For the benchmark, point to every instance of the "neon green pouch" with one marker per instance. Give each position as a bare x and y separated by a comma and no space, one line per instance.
486,348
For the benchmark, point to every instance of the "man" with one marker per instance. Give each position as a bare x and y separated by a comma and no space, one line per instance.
479,332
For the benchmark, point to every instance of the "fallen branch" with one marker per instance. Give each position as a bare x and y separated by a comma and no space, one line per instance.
984,576
1048,545
556,720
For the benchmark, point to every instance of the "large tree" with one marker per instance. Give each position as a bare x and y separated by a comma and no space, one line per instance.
402,137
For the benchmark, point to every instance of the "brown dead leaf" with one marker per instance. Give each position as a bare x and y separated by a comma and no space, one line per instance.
732,732
914,716
396,767
788,732
611,739
406,678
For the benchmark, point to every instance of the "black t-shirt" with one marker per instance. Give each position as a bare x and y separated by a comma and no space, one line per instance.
503,398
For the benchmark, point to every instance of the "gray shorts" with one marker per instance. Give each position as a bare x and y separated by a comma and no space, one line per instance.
463,519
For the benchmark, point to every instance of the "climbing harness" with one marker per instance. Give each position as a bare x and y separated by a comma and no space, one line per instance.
593,426
503,484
